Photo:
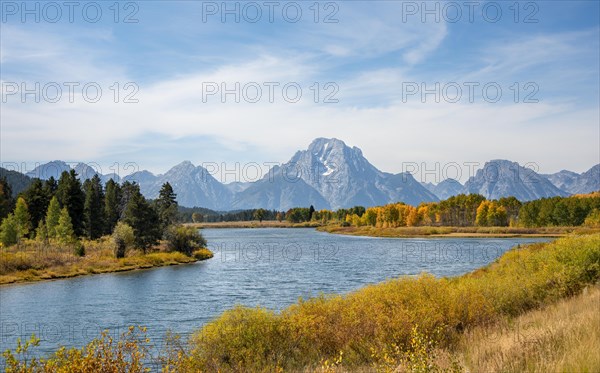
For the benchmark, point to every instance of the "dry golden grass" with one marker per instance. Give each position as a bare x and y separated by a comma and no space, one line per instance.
457,231
563,337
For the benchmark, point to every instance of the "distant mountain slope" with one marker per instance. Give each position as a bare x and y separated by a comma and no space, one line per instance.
502,178
563,179
276,191
403,187
194,186
85,172
143,178
50,169
587,182
56,168
17,181
237,186
445,189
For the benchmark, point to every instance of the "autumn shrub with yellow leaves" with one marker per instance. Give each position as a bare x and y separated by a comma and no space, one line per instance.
383,315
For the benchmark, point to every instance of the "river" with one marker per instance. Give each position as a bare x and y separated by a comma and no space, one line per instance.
269,267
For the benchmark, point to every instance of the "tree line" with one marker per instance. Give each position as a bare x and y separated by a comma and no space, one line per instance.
204,215
66,210
463,210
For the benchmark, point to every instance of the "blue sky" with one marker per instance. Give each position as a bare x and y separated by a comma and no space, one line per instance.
373,53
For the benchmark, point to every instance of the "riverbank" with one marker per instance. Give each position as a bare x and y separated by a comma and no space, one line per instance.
556,338
409,232
459,232
255,224
33,262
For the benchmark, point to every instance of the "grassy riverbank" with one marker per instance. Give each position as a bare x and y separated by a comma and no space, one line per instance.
534,309
33,261
428,231
456,231
557,338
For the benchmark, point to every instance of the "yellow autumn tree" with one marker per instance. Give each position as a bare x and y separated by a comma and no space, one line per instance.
481,219
413,218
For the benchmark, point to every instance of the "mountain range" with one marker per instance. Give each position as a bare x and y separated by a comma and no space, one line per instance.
329,174
574,183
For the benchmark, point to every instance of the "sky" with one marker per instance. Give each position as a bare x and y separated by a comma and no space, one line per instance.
419,85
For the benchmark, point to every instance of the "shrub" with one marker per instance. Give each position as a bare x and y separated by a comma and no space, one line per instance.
237,338
184,239
123,238
78,248
203,254
127,354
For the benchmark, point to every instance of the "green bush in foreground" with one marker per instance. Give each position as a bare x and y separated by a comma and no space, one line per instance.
399,322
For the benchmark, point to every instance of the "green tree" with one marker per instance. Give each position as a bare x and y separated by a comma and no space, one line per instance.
128,190
93,211
528,214
259,214
197,217
22,217
112,200
496,215
52,216
578,210
166,206
41,232
512,206
143,219
297,215
64,230
50,187
9,231
6,198
37,201
71,196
